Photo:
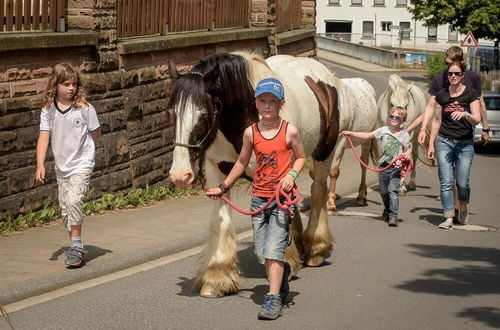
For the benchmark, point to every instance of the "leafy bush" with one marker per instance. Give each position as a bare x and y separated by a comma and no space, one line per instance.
133,198
435,65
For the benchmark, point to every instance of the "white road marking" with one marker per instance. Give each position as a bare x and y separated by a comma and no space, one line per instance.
29,302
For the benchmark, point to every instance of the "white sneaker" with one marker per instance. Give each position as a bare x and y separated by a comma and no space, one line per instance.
446,225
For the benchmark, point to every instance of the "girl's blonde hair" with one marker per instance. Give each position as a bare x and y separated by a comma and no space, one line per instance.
61,73
402,111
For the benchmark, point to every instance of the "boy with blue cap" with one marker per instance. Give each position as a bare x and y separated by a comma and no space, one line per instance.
274,141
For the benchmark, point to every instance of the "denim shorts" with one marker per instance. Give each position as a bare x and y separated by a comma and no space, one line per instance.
270,230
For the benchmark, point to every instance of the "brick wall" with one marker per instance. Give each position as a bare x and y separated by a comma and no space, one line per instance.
129,92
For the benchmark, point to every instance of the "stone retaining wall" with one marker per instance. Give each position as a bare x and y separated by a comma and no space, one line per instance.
127,81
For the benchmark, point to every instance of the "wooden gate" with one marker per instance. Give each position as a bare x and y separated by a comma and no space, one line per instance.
288,14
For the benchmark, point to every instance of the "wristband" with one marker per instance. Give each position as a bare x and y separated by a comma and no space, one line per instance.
223,187
294,174
422,130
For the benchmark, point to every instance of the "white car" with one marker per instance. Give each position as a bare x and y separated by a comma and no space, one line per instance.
492,101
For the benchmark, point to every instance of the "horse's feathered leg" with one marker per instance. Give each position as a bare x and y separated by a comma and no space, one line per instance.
219,272
362,191
296,248
334,175
318,241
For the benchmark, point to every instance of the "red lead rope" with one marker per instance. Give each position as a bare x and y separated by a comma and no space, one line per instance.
405,163
279,192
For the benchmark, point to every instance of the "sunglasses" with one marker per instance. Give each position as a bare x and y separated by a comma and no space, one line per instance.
394,117
458,73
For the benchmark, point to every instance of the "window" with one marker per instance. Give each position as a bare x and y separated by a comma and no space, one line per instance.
432,32
405,29
452,33
356,2
379,2
386,26
401,2
334,2
367,29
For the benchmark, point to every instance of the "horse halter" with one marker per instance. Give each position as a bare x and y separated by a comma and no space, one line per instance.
199,144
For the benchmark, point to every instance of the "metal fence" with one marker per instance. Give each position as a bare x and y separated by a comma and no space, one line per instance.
32,15
148,17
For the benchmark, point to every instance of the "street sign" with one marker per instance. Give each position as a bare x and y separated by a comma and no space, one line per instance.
393,27
469,41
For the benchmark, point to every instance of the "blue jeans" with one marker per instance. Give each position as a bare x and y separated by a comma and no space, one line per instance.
388,182
270,230
458,155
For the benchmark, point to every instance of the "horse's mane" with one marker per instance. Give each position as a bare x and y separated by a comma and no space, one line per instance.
399,88
222,81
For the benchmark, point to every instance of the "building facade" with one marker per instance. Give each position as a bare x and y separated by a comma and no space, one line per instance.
382,23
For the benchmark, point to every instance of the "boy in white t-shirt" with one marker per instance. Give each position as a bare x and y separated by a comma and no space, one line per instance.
72,126
394,141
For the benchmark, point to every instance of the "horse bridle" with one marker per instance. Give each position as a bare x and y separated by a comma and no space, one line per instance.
218,106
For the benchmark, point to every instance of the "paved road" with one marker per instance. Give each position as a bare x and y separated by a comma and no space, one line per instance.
415,276
411,277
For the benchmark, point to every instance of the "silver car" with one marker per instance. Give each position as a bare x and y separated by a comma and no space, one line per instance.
492,101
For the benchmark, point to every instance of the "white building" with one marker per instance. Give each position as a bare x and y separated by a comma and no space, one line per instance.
381,23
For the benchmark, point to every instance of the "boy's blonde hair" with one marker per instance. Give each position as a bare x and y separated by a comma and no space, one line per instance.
61,73
402,111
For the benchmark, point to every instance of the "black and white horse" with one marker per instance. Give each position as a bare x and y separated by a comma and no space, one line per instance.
214,103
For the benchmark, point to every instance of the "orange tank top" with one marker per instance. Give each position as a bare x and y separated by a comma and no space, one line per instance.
273,160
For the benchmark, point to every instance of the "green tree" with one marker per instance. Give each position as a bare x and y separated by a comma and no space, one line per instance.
479,16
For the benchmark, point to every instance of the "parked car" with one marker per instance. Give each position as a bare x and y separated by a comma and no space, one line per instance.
486,55
492,101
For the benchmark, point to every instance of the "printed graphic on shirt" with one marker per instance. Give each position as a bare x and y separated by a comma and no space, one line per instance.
77,122
454,106
268,163
390,150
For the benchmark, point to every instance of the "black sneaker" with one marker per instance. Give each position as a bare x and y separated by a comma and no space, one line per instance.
285,288
272,307
74,256
393,221
385,215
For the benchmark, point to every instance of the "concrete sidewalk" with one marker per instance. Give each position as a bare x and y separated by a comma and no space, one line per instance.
32,261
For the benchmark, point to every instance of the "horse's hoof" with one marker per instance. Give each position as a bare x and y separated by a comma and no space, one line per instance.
361,202
332,212
209,293
315,261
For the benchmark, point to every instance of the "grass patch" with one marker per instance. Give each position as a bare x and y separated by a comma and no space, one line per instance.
133,198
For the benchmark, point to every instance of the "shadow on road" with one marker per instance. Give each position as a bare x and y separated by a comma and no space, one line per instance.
94,252
464,281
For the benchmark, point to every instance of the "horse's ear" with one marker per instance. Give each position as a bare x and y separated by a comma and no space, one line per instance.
211,77
172,68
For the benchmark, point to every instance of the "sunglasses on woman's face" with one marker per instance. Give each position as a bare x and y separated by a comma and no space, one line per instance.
397,118
458,73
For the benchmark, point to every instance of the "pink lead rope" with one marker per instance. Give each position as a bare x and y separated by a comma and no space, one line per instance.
405,163
278,193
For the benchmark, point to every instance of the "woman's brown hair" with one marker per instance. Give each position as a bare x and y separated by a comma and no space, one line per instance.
461,65
61,73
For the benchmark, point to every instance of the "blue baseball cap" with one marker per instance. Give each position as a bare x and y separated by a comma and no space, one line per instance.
270,85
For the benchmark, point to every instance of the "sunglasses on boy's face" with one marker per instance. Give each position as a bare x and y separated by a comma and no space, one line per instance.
457,73
397,118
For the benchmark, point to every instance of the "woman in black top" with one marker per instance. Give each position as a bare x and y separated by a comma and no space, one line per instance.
456,113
